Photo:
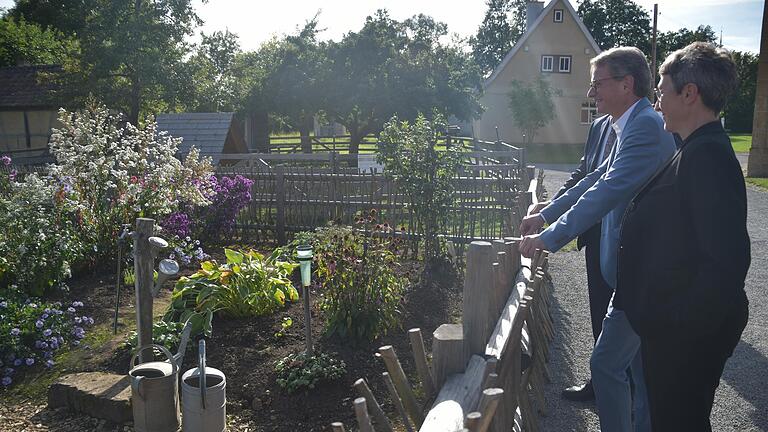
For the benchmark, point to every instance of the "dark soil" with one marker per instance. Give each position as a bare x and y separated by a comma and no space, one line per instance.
247,349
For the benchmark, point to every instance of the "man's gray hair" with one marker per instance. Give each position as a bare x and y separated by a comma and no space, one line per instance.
623,61
706,65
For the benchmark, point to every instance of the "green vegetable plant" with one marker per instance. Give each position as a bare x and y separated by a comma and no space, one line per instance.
167,334
359,281
299,371
284,326
248,284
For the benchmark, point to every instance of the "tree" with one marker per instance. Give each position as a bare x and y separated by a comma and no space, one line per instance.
502,26
616,23
758,154
132,55
27,42
218,74
391,67
670,41
532,106
66,16
740,110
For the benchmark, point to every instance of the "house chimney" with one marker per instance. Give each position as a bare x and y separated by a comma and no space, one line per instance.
532,11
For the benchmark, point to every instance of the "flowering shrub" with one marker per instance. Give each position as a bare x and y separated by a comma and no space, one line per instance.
39,241
297,371
361,290
248,284
232,194
119,173
32,331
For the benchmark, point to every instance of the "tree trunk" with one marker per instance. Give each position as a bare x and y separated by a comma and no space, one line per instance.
259,132
758,154
306,124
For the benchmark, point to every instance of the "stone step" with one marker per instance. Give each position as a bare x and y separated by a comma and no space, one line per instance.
97,394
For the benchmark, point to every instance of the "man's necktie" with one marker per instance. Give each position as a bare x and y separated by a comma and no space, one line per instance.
609,144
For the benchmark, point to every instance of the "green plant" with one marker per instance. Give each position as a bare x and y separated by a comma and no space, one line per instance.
32,331
129,277
285,324
360,286
297,371
167,334
427,177
248,284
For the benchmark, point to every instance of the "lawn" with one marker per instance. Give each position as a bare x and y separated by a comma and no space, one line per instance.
741,142
759,182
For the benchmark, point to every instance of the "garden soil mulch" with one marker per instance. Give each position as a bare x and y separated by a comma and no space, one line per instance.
246,351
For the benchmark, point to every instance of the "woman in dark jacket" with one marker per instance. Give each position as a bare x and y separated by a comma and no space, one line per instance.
685,250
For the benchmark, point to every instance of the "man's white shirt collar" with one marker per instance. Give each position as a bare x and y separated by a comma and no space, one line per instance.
619,125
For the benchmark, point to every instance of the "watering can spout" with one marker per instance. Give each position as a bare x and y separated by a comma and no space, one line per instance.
178,358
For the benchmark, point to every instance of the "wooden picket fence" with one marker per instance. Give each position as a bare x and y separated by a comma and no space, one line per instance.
488,373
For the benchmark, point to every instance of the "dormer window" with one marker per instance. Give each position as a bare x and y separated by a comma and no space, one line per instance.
558,16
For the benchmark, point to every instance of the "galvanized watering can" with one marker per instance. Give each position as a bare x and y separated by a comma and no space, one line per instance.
155,389
203,396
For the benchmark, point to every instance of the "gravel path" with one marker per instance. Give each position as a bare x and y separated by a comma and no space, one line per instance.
741,402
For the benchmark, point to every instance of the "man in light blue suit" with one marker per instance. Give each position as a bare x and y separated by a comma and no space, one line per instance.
620,80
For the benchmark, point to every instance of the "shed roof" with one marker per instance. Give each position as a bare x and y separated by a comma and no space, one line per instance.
25,87
206,131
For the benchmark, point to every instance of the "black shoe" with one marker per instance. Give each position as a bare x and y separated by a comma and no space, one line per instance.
580,393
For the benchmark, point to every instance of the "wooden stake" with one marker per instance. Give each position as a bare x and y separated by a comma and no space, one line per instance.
401,383
447,352
473,420
420,357
382,422
478,284
489,401
361,413
143,267
337,426
396,400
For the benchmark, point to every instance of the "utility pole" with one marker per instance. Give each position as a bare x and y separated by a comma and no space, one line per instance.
653,45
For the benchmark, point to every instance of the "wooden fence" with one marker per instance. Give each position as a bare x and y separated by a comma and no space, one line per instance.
287,200
488,372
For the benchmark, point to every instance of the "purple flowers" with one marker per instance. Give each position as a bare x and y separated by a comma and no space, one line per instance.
15,332
29,361
178,224
6,160
39,324
232,195
7,381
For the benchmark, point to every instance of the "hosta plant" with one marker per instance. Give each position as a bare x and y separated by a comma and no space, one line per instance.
248,284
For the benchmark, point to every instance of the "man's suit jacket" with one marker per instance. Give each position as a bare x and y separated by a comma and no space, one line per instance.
598,130
605,192
684,244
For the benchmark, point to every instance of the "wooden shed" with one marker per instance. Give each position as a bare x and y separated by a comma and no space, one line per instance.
213,134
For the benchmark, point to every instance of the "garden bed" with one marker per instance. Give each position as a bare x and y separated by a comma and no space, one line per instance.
246,351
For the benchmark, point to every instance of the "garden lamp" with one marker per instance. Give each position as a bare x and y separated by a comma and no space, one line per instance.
168,268
304,255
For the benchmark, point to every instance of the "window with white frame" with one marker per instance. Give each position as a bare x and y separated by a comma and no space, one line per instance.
588,112
558,16
547,63
564,64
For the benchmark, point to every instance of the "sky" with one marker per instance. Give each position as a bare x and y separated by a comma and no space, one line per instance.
257,21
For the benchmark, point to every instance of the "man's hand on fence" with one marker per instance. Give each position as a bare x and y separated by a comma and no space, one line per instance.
531,224
529,245
536,208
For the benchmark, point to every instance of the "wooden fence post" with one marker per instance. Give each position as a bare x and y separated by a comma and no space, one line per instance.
420,357
373,405
401,384
478,285
361,413
143,267
280,203
447,352
397,401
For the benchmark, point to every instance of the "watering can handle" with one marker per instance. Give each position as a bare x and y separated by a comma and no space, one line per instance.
201,366
136,383
136,386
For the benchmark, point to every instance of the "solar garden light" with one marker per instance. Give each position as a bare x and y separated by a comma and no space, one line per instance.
304,255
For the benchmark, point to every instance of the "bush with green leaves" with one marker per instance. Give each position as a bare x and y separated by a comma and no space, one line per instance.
40,240
32,331
300,371
359,281
248,284
167,334
425,175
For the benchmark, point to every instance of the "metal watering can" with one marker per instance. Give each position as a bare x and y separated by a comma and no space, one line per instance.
203,396
155,390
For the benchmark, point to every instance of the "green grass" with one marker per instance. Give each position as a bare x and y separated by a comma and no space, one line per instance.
554,153
759,182
741,142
